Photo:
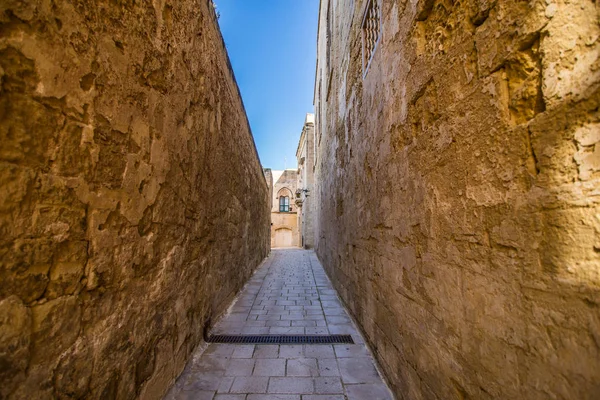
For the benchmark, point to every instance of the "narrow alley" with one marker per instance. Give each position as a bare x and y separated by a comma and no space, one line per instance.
289,294
195,193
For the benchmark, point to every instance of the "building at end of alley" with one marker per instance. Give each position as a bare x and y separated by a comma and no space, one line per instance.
292,205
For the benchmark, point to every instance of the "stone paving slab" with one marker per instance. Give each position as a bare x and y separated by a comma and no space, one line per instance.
289,294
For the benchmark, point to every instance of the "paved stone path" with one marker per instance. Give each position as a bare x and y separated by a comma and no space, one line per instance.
289,294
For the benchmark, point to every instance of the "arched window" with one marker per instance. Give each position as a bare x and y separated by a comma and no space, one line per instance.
284,204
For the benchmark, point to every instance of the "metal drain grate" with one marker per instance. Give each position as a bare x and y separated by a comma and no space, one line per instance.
281,339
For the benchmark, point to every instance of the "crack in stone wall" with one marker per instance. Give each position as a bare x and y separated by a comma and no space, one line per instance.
133,206
458,193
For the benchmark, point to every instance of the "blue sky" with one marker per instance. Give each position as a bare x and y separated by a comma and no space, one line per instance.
272,47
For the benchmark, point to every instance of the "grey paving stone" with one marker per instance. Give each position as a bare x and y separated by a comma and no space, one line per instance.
243,351
237,316
250,384
342,329
357,338
302,367
291,351
358,370
273,397
323,397
266,351
240,367
276,309
330,304
328,367
225,384
257,324
319,351
371,391
304,323
327,292
328,385
291,385
280,330
255,331
278,323
230,397
269,367
258,312
286,303
293,317
351,350
316,331
329,297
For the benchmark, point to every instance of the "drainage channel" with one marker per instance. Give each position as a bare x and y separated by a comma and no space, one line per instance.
281,339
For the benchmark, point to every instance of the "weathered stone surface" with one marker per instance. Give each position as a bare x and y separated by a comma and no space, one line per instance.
458,192
305,155
15,339
132,203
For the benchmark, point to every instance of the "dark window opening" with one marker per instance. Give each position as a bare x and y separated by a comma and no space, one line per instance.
284,204
371,32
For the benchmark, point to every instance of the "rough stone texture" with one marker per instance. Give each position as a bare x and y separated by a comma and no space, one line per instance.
458,192
269,179
133,205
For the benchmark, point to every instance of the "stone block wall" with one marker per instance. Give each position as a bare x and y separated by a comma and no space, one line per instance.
306,182
269,179
458,192
132,205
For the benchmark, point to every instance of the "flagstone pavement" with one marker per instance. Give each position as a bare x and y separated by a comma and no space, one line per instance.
289,294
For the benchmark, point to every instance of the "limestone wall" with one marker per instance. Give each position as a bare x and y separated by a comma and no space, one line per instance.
458,193
269,179
306,182
132,205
